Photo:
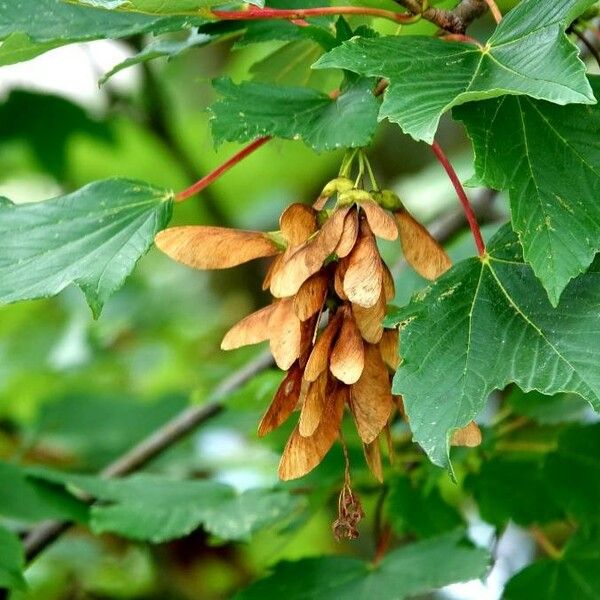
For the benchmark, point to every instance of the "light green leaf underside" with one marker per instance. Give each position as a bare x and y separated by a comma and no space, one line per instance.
574,576
157,509
158,7
527,55
92,238
407,571
252,110
549,159
30,27
488,323
168,48
12,561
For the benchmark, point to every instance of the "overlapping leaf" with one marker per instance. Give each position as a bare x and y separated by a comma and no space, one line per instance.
30,501
155,509
574,575
484,324
407,571
528,54
12,561
576,465
549,159
93,238
30,27
252,110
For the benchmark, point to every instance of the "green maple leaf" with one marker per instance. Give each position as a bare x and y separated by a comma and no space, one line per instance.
252,110
93,238
575,574
528,54
487,323
12,561
408,571
549,158
158,509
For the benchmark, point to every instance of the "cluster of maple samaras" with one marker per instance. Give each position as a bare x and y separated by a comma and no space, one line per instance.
331,288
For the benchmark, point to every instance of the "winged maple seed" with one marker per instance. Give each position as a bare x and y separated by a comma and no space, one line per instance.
330,290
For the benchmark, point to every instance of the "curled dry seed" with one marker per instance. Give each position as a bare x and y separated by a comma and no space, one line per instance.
389,286
338,279
389,348
371,396
297,223
381,222
303,454
468,436
373,457
283,403
253,329
421,251
349,235
363,279
348,356
203,247
318,360
286,334
312,407
311,296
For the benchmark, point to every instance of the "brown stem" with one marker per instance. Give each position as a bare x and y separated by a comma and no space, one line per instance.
157,442
454,21
494,10
301,13
214,175
544,543
462,196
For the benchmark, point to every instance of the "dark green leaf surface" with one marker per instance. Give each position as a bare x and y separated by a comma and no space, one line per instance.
252,110
407,571
92,238
47,124
528,54
487,323
574,576
575,468
39,25
12,561
548,410
156,509
419,510
548,157
29,501
513,490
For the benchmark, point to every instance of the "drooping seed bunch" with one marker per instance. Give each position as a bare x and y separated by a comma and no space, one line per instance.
330,288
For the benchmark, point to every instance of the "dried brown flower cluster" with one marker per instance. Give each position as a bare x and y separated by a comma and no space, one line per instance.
330,288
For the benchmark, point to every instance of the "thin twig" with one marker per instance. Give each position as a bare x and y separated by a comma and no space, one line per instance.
454,21
462,196
494,10
591,48
301,13
157,442
544,543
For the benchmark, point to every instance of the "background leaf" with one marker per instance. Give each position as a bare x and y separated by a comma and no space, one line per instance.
12,561
92,237
407,571
157,509
252,110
